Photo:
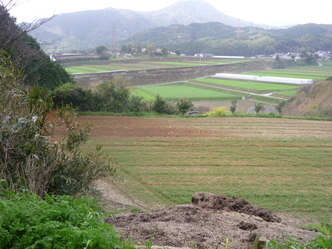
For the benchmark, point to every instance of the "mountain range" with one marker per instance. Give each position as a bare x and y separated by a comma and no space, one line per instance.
92,28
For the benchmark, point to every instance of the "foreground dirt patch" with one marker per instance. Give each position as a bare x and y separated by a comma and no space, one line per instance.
206,223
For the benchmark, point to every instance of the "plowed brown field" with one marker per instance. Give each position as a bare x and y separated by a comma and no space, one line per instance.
122,127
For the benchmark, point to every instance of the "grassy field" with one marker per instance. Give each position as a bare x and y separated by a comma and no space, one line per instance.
279,164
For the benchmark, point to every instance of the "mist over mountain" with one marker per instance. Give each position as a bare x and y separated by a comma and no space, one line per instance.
192,11
87,29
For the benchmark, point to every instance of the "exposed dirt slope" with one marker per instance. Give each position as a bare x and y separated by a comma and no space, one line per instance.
311,100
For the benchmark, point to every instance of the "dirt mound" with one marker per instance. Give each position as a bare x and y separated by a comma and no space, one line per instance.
210,222
234,204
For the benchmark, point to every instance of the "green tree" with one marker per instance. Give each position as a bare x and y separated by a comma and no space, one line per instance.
101,50
159,104
184,105
113,96
150,50
164,51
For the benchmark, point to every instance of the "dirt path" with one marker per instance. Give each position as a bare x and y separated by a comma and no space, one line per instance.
113,198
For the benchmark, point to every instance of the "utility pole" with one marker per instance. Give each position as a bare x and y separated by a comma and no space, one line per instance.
238,31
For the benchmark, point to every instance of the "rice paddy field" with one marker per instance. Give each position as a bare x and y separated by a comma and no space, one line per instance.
210,89
279,164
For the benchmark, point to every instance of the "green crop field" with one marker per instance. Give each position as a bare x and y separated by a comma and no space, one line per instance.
288,93
278,164
191,91
260,86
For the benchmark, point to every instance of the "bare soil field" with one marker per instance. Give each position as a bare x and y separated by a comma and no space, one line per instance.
122,127
209,221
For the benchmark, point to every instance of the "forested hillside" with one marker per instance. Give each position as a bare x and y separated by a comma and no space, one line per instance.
220,39
26,54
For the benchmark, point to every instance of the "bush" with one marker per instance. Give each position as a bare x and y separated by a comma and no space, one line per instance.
28,156
233,106
56,222
112,96
258,107
217,112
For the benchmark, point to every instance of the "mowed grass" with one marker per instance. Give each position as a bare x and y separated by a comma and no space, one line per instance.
281,165
180,90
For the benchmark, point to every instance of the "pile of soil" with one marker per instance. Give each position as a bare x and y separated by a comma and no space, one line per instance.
234,204
210,221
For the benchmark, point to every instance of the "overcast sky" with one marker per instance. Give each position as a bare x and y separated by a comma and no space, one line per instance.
279,12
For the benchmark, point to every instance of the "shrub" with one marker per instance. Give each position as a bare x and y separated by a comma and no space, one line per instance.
217,112
71,94
233,106
28,156
56,222
258,107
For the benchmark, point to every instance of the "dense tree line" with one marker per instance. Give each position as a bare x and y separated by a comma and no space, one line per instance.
114,96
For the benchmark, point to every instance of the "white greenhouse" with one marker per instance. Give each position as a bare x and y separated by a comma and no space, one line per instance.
263,78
